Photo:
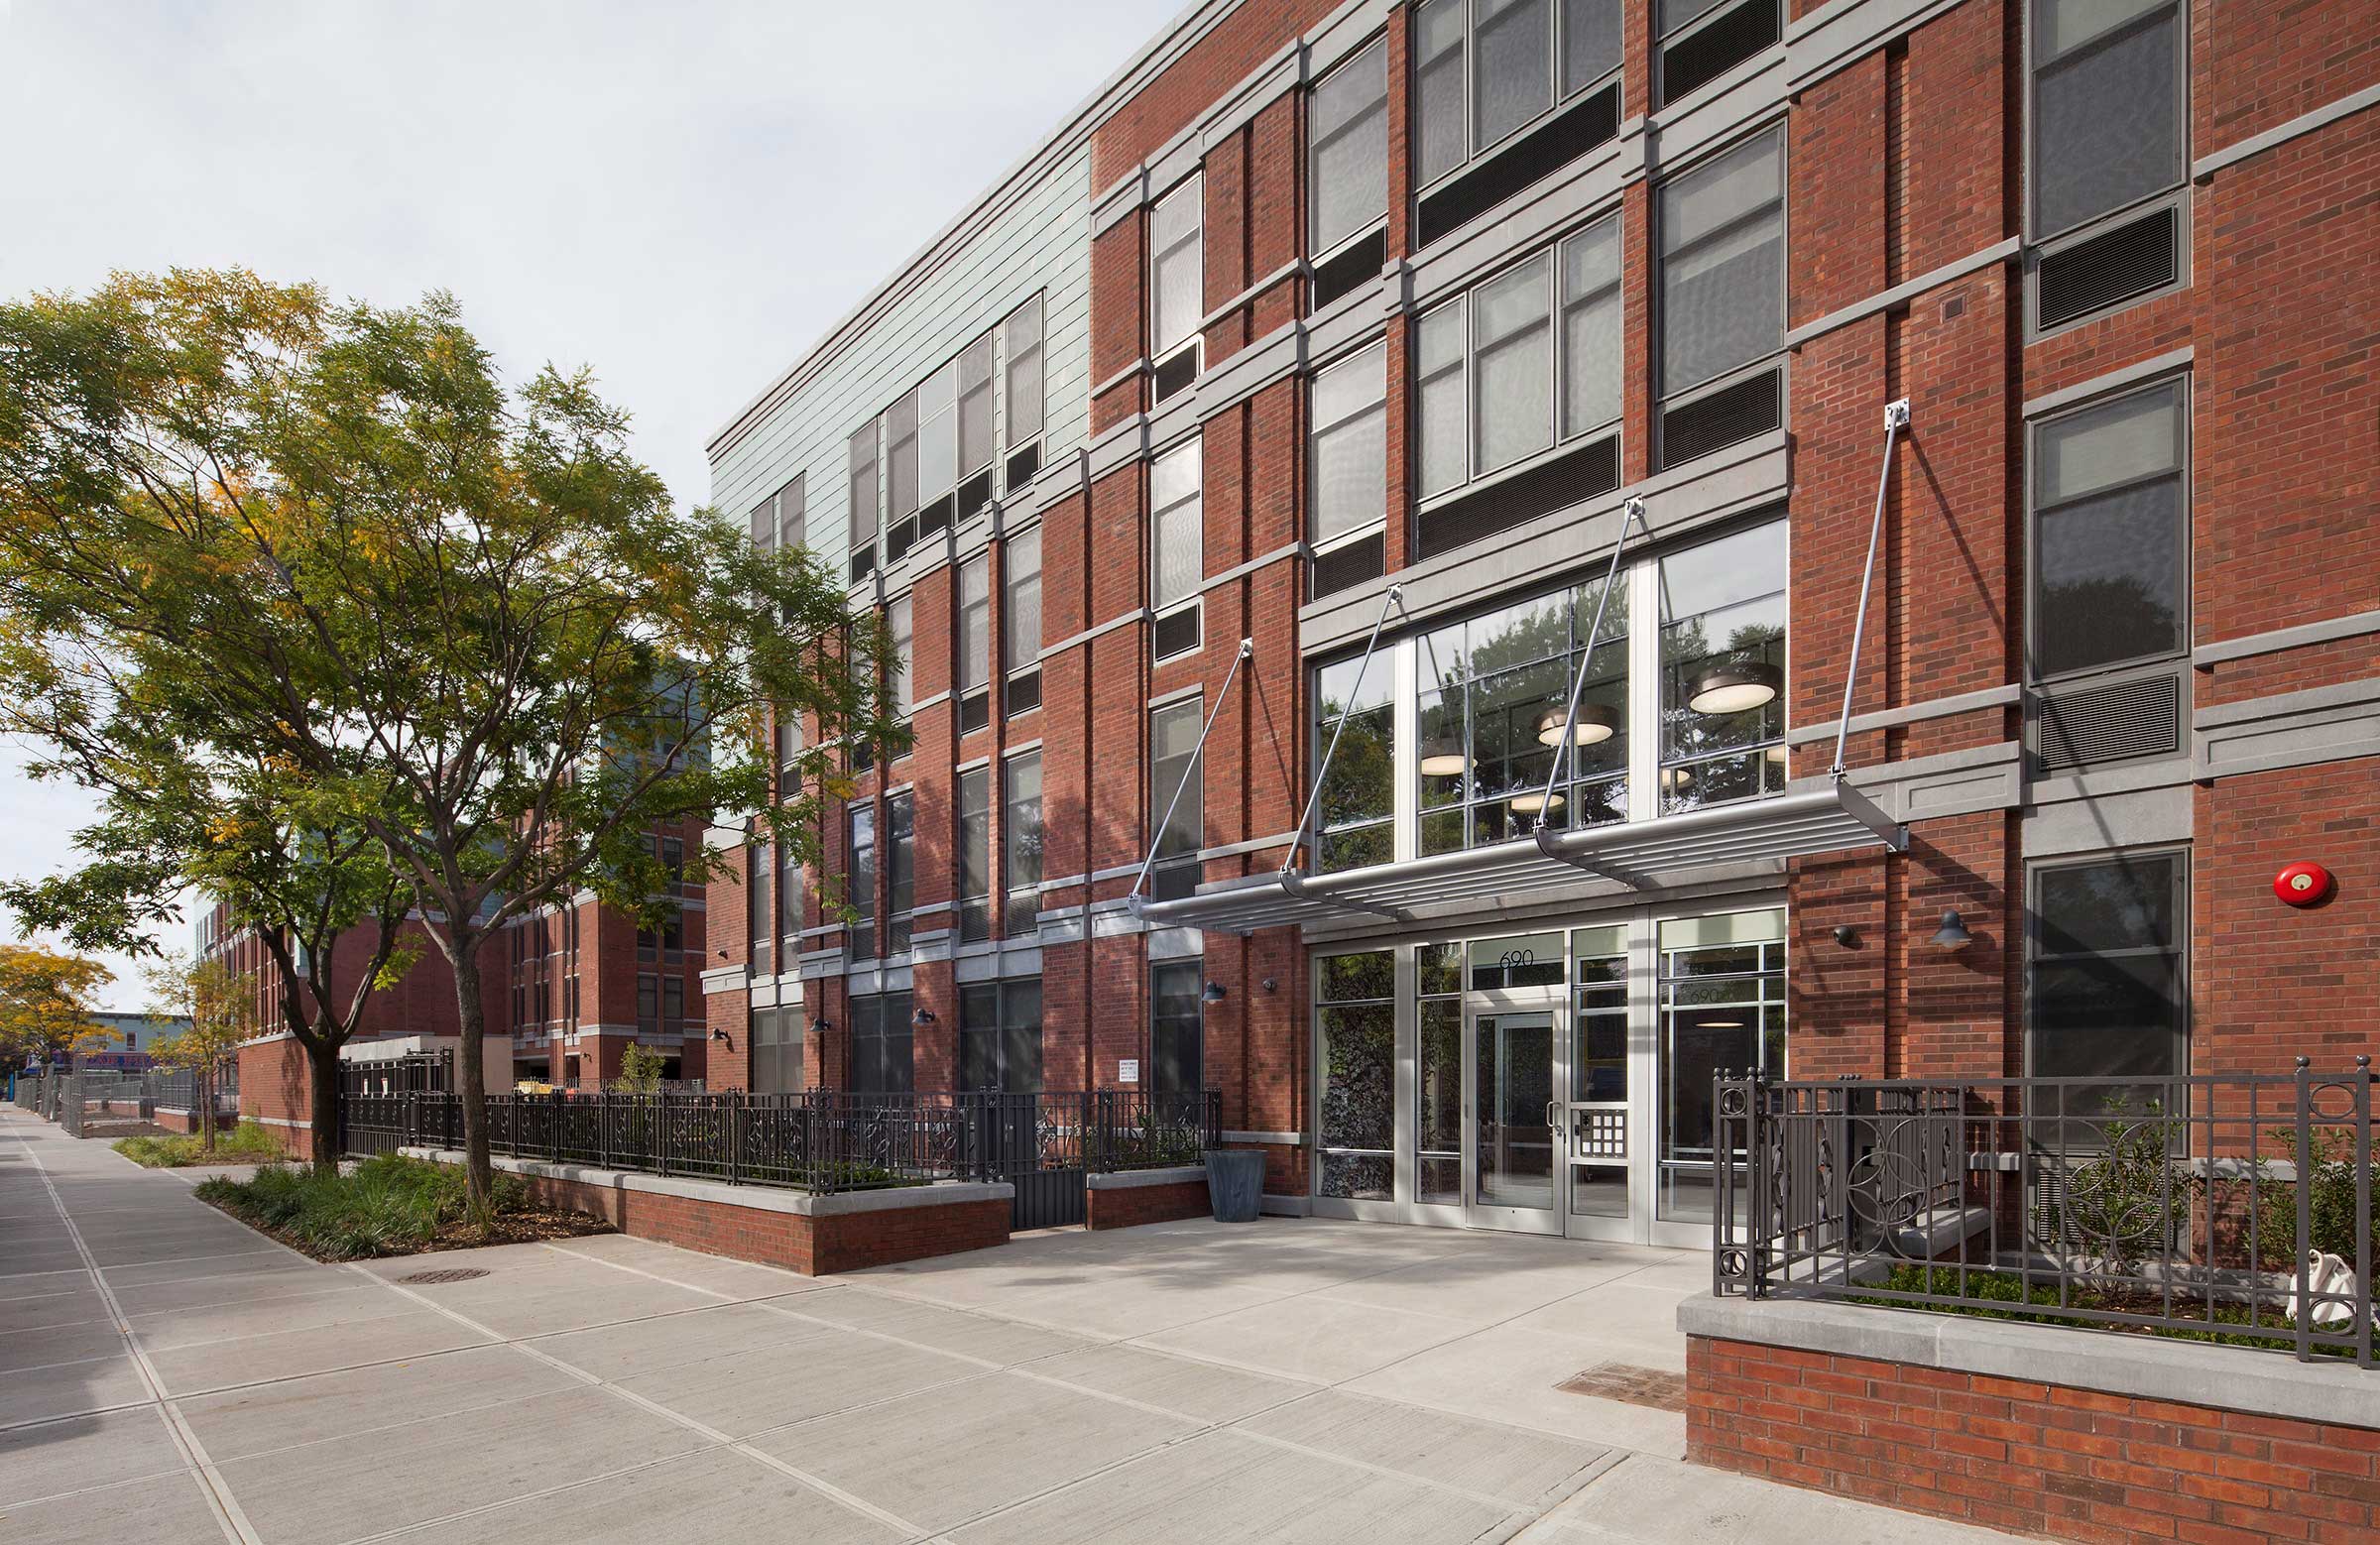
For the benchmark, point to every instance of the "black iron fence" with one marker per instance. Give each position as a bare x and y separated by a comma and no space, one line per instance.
2231,1208
820,1142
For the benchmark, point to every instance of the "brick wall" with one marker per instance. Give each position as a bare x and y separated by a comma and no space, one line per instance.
2031,1457
1125,1207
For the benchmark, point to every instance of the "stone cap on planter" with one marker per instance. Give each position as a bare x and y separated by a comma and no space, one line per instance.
1128,1179
2153,1368
764,1199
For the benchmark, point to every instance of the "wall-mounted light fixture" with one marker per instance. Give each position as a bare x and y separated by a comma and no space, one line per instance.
723,952
1270,985
819,1025
1847,935
717,1034
1953,934
924,1017
1215,993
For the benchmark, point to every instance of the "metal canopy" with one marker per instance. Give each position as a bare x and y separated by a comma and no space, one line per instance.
1636,855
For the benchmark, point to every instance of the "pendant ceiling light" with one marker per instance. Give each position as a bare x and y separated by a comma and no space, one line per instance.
1735,687
1444,758
1594,725
1536,803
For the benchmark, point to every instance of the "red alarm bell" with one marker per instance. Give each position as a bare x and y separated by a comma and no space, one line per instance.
2302,885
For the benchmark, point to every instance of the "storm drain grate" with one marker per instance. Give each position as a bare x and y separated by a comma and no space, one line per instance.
451,1275
1629,1385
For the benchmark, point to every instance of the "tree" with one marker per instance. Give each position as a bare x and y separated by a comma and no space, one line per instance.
640,1070
466,620
47,1014
215,1001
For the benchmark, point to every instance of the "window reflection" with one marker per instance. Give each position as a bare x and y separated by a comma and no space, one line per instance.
1723,671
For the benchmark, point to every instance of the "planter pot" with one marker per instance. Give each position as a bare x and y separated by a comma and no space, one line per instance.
1235,1183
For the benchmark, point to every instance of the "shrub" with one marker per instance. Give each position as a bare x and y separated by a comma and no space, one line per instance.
388,1206
246,1144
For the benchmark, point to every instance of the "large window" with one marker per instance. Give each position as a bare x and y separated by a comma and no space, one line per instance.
2110,534
1174,766
1356,823
975,407
861,883
1500,380
2109,995
1438,1101
1177,1040
1485,70
901,869
1021,349
2107,107
1350,154
975,854
774,1043
1020,837
1354,1014
1178,556
1722,264
883,1052
1020,621
1494,695
1176,268
975,643
999,1036
758,914
1723,1007
864,495
776,520
1722,670
901,623
1350,445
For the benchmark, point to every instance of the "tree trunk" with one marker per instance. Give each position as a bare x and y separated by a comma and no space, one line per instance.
322,1066
205,1084
479,1176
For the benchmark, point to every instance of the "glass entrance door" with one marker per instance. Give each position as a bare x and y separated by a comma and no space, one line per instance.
1514,1050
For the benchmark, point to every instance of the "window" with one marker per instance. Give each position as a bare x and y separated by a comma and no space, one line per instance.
2110,532
975,407
1722,1006
1356,822
2107,107
1350,445
999,1036
1494,692
1020,346
1176,1028
1701,40
793,512
975,643
673,860
938,434
774,1037
902,624
883,1054
1512,333
1177,560
1722,670
863,491
1176,268
1020,621
1355,1019
758,913
1722,264
1020,835
975,854
901,473
1173,732
793,899
673,1000
1591,336
1349,156
1523,57
1438,1103
901,869
2109,995
648,1003
862,882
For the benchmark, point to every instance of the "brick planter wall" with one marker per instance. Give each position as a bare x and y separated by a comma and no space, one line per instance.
814,1235
1127,1199
2042,1458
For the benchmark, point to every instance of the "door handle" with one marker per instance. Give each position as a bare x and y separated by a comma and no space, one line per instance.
1553,1115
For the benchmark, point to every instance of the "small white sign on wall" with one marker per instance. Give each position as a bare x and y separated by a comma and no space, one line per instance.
1127,1070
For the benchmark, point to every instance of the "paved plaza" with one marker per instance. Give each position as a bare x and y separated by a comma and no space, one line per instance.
168,1374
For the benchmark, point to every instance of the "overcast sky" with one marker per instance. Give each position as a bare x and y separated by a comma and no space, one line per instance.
682,194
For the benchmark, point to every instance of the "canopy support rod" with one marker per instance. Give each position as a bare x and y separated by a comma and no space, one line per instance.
1354,695
1630,513
1198,761
1896,418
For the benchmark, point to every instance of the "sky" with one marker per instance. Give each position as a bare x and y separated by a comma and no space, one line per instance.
682,196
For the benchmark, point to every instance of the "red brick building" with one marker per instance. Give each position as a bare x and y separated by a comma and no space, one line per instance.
1306,386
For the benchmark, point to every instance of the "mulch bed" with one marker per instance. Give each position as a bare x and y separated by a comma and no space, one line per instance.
531,1226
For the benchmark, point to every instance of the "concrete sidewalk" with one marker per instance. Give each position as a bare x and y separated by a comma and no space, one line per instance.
168,1374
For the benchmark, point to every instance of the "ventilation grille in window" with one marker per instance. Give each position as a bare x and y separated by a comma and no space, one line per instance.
1577,130
1023,465
2093,275
2139,717
1717,46
863,562
974,712
1025,692
935,517
975,493
1178,632
1580,474
1750,407
1352,565
898,540
1176,372
1341,274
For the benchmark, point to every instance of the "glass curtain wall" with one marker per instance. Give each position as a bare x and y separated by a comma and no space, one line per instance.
1723,1007
1722,670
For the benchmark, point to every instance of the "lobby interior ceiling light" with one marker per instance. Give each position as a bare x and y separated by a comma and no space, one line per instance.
1535,802
1594,725
1737,686
1444,758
